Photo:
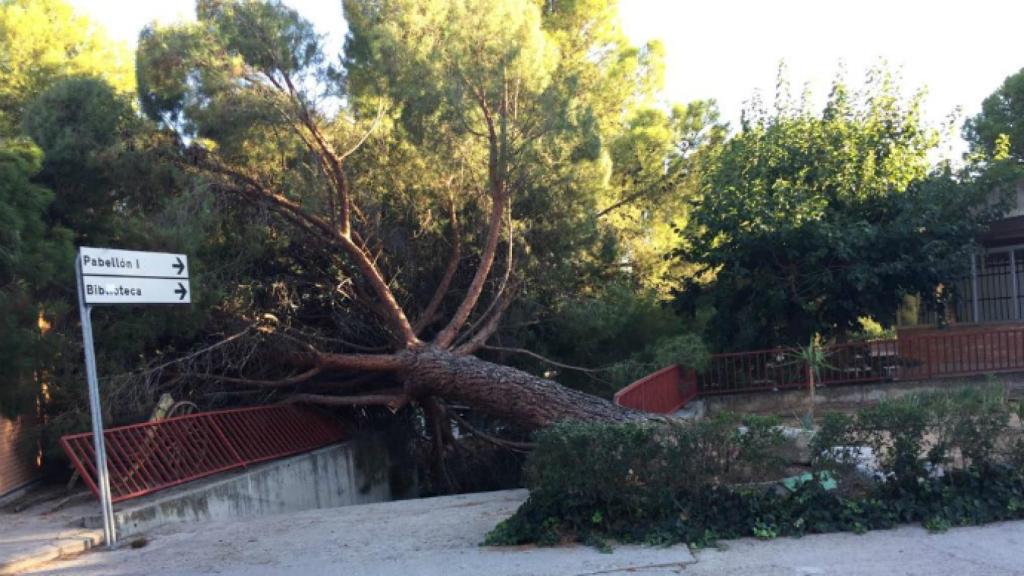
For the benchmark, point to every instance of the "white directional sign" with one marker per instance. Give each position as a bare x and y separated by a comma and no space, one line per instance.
133,277
109,262
107,276
127,290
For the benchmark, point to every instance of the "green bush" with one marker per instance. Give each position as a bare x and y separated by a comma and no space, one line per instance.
662,483
913,435
589,478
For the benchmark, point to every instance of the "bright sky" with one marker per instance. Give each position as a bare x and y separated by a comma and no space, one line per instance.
726,49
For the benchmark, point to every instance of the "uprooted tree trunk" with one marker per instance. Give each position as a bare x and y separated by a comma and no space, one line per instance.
500,391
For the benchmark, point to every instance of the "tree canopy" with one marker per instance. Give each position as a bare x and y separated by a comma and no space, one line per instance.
44,40
998,130
808,221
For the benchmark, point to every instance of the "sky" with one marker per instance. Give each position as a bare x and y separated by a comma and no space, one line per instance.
960,51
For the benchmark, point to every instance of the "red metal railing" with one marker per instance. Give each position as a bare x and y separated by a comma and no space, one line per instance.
783,368
151,456
662,392
940,354
975,350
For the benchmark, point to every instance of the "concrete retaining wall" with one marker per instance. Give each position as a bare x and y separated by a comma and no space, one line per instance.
353,472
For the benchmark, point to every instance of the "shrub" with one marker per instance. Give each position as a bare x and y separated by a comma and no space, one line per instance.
700,481
913,435
589,477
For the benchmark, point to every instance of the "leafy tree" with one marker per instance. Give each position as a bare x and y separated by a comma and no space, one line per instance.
79,123
449,127
105,189
33,257
44,40
808,222
657,159
998,130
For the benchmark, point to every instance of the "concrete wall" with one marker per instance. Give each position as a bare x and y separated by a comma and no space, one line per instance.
353,472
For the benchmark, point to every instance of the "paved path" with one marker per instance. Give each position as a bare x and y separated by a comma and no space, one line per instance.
990,550
430,536
36,535
441,536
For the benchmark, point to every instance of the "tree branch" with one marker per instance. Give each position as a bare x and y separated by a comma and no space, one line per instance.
622,202
544,359
283,382
330,160
458,320
488,329
508,444
442,288
500,299
394,400
253,190
366,134
364,362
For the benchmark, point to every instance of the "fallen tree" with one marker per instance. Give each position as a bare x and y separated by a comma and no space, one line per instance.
249,82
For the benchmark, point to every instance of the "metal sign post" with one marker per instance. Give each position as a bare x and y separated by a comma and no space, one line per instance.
106,276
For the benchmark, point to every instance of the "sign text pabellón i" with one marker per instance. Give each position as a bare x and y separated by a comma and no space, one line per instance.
131,277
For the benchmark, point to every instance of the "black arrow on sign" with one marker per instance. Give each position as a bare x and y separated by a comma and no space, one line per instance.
179,266
181,292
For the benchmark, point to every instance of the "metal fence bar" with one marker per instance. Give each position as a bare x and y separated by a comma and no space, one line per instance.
152,456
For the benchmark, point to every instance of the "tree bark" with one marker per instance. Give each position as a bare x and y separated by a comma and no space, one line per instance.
503,392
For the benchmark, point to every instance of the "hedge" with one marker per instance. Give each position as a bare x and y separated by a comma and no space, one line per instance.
943,459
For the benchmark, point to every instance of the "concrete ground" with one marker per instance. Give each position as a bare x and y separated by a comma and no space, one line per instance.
47,528
430,536
438,536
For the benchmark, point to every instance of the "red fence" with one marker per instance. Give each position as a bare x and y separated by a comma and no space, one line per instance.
143,458
662,392
782,368
975,350
913,356
939,354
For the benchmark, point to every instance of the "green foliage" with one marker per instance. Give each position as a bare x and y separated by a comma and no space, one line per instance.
586,137
624,332
33,257
43,41
629,475
667,483
997,132
57,127
961,428
687,350
79,123
656,165
808,222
